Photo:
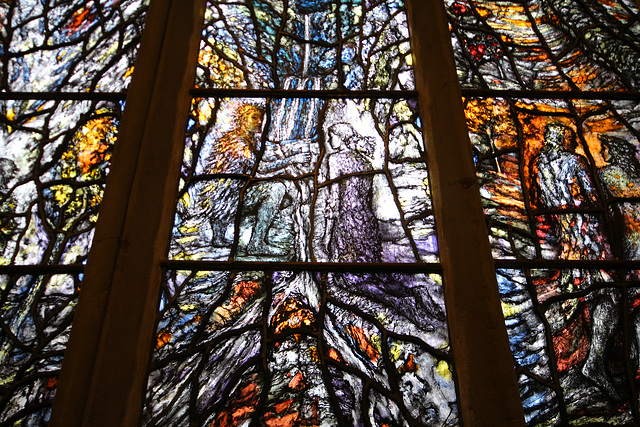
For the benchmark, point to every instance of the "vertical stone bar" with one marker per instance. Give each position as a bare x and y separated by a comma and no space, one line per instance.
78,364
487,384
102,380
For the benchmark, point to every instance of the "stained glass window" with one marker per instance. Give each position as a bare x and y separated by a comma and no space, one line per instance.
64,68
302,283
552,109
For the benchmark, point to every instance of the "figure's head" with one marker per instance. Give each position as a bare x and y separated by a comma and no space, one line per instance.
249,117
614,148
559,134
339,134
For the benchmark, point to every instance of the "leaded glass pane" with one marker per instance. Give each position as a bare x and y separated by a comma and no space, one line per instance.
346,184
34,328
351,44
54,159
575,344
553,169
300,347
546,44
558,179
559,182
54,45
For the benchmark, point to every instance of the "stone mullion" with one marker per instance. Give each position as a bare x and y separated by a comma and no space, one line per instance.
484,367
104,370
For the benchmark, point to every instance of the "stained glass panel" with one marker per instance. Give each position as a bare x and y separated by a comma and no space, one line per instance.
558,179
547,44
346,184
575,344
350,44
314,181
301,347
54,45
54,159
35,322
538,158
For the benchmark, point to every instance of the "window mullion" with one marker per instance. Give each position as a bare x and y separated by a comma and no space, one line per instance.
102,378
487,385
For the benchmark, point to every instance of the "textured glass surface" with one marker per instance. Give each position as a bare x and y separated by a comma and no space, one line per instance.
54,159
560,180
35,321
328,180
75,45
351,44
301,348
546,44
575,344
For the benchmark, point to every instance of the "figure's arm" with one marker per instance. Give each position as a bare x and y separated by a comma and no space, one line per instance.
275,160
276,165
331,206
586,183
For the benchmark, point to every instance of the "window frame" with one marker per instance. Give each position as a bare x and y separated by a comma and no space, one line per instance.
103,377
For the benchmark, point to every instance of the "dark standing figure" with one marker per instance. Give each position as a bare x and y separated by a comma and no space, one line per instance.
352,233
352,228
564,182
621,179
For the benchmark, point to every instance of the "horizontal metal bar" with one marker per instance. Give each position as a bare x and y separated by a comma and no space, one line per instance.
526,264
41,269
392,267
325,94
550,94
281,93
64,96
303,266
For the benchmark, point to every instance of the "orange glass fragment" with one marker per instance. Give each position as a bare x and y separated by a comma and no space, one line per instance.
243,405
52,382
292,314
363,342
297,383
410,366
163,338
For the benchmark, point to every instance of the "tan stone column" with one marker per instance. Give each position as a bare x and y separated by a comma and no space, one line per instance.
103,374
484,367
